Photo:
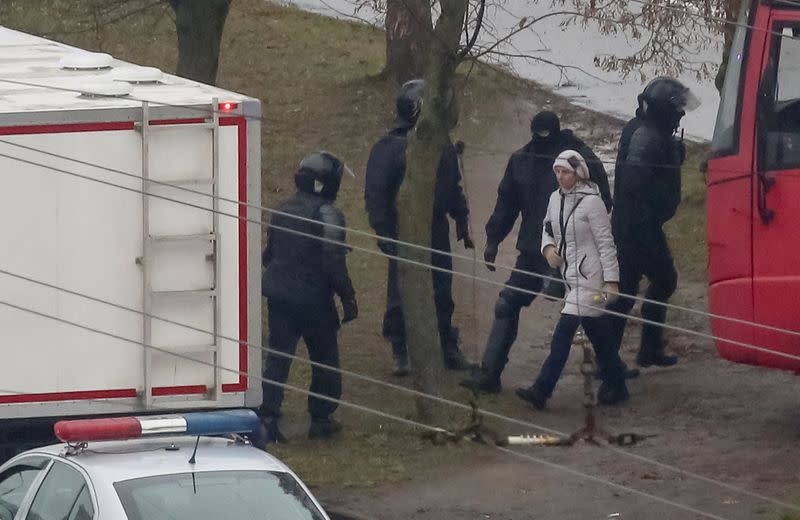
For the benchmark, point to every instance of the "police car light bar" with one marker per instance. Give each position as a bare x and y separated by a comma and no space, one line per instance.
124,428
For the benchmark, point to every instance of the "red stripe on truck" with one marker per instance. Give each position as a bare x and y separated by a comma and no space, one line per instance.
241,124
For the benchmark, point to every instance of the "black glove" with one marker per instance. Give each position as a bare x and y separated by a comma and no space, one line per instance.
489,255
388,248
462,233
350,308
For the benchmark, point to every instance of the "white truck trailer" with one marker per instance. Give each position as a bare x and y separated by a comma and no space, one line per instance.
194,259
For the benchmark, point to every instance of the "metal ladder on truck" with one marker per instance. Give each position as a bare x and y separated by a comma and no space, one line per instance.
151,242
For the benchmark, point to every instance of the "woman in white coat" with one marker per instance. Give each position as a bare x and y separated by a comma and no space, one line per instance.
577,239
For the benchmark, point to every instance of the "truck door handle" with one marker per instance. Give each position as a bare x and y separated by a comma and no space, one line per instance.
765,184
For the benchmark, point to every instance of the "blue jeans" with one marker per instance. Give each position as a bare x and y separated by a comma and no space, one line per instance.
599,333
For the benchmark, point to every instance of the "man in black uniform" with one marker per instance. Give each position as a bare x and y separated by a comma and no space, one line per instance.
525,189
647,192
306,264
386,169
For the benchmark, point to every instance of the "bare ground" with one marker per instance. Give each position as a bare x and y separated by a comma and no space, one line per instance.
734,423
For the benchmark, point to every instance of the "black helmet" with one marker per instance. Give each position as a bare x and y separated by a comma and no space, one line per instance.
667,99
320,173
409,103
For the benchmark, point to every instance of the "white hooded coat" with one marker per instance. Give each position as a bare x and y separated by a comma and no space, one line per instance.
585,245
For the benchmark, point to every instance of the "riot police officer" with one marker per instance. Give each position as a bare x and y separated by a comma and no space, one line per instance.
525,190
385,172
647,192
302,275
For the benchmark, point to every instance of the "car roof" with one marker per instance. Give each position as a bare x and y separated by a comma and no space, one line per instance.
115,461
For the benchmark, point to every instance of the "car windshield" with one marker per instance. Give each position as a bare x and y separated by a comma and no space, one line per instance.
243,495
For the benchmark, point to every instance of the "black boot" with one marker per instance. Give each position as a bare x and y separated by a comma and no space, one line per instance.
400,355
495,357
454,360
651,350
453,357
268,433
610,394
534,396
482,382
323,428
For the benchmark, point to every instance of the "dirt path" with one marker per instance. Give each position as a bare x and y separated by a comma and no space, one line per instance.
734,423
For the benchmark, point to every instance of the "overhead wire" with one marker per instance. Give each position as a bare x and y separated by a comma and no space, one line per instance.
410,391
408,260
356,231
420,264
355,406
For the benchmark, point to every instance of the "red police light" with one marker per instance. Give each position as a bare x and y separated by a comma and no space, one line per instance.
98,429
227,107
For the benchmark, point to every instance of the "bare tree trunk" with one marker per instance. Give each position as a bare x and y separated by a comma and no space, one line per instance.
199,24
408,28
415,202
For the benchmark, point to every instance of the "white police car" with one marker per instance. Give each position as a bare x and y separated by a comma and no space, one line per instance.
154,468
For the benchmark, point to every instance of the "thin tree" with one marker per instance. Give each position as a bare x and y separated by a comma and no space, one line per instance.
415,199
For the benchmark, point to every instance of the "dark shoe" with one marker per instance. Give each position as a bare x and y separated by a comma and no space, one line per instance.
269,432
323,428
401,365
455,360
533,395
482,383
658,359
612,394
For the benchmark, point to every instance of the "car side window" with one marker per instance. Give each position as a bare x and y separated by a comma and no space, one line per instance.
15,482
63,495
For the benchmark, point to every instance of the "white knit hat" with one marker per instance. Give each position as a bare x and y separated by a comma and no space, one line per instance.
572,160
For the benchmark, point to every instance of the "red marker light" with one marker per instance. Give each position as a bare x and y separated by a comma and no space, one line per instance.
98,429
227,107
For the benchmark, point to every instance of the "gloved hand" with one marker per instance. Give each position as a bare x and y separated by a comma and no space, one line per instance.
350,308
611,292
388,248
489,256
462,233
553,260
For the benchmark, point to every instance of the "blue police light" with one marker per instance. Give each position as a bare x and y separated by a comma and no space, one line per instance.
221,422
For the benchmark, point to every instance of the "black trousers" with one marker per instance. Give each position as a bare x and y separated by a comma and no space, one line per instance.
599,334
394,327
656,263
318,326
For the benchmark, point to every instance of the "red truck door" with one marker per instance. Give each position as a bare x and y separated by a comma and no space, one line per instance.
776,189
729,204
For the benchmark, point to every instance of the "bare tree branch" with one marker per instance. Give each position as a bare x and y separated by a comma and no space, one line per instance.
466,50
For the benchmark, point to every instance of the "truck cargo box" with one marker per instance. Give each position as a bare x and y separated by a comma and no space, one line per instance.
193,259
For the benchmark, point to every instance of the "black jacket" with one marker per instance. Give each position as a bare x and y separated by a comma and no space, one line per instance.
527,185
647,183
386,169
302,270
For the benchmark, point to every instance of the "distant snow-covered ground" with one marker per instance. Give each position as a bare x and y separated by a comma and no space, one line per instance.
573,45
